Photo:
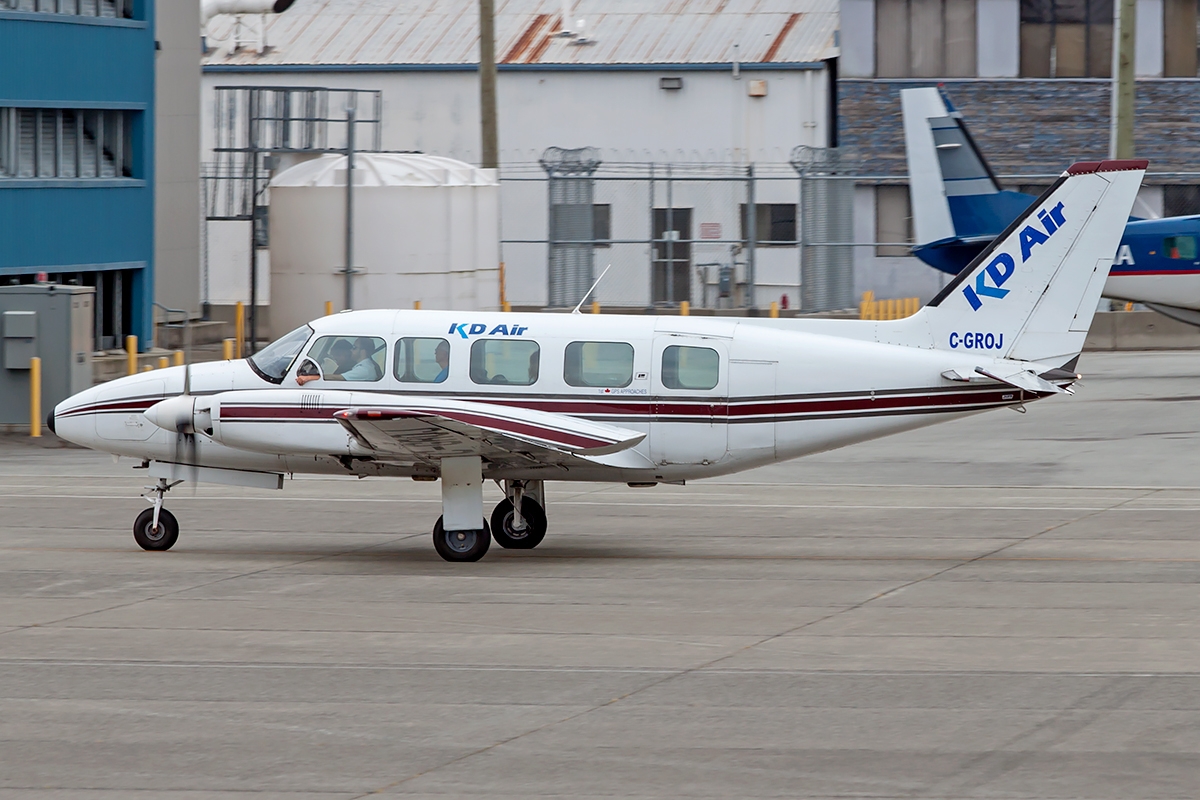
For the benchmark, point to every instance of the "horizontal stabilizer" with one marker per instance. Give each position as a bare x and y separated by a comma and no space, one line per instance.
1025,380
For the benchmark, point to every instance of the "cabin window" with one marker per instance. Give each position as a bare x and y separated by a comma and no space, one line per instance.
349,358
690,367
422,360
604,364
1181,247
504,362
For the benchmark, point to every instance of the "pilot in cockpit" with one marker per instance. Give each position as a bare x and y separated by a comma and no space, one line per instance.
351,362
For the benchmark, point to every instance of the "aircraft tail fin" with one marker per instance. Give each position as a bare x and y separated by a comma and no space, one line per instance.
957,203
1031,293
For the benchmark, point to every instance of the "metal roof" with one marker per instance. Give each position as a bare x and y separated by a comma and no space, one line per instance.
360,33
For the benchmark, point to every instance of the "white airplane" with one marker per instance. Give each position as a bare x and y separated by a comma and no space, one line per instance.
526,398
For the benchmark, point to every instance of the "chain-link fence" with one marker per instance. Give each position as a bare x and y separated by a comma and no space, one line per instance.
673,233
821,232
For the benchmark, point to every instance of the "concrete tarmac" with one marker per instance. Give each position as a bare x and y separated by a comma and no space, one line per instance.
999,607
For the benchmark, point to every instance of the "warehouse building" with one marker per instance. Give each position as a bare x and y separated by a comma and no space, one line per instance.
697,83
80,109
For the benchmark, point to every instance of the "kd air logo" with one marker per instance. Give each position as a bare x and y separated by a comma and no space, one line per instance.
467,330
1003,266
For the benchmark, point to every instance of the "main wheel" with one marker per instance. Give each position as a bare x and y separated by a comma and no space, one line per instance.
528,537
461,545
149,537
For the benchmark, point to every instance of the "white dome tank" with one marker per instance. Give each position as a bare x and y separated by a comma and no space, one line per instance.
425,228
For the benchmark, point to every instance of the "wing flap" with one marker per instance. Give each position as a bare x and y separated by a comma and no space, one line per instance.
430,431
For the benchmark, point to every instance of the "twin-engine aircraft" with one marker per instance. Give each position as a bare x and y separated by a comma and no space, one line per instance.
525,398
958,207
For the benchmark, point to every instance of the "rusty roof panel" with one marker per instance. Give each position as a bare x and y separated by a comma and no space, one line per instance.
436,32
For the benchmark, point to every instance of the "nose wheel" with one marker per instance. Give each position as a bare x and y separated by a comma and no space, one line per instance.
156,528
151,536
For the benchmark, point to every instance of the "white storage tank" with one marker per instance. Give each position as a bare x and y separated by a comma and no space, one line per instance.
425,228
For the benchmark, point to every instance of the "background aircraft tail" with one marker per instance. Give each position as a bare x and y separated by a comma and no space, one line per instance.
1031,293
957,203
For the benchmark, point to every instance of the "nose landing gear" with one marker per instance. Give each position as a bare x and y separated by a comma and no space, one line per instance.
156,528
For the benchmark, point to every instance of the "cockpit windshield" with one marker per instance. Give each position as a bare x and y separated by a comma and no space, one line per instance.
273,361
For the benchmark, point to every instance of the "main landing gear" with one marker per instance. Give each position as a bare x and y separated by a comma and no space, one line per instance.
521,529
156,528
460,535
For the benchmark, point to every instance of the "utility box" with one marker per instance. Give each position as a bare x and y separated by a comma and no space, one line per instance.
54,323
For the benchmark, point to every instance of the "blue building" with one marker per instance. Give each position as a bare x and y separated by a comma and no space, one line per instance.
77,153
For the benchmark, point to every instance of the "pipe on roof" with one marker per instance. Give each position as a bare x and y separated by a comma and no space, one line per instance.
211,8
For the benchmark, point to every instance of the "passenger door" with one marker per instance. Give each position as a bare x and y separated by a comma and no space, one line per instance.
688,409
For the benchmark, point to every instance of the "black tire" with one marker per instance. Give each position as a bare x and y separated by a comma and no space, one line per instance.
148,538
535,525
461,545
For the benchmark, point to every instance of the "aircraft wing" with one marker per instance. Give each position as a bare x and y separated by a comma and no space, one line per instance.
504,435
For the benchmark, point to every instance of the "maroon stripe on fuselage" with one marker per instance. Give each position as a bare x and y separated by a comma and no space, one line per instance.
649,409
116,405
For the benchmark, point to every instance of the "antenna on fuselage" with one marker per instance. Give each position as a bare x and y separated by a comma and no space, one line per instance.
575,310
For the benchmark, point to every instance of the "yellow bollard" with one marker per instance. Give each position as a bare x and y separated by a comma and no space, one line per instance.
774,311
506,306
328,308
1128,307
147,368
866,309
35,397
227,349
178,358
130,355
163,362
595,306
416,305
685,308
239,328
891,308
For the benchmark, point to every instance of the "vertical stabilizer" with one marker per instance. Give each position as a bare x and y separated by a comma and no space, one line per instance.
1031,294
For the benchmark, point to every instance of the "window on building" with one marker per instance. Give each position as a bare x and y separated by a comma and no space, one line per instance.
775,223
1181,201
1067,38
422,360
690,367
1179,38
503,361
65,143
893,220
114,9
925,38
602,224
604,364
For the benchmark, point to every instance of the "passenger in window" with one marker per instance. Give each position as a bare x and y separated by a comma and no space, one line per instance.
441,354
